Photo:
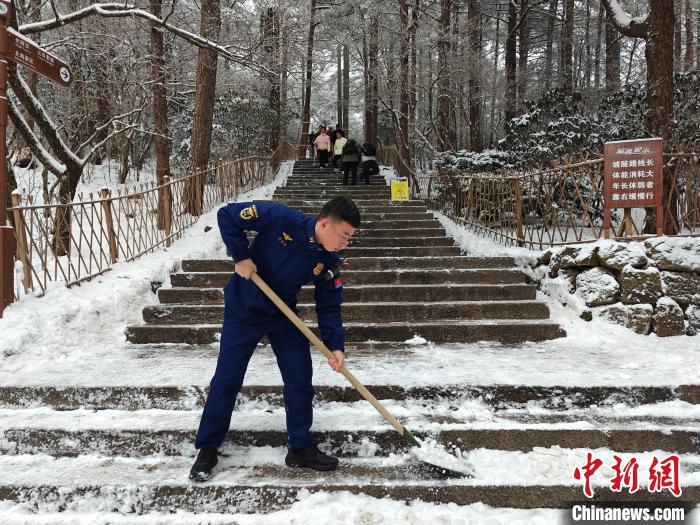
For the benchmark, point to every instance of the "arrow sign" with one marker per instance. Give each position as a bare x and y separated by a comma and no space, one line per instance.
25,51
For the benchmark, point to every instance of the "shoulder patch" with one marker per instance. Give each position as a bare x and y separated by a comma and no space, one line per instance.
286,236
339,282
318,269
249,213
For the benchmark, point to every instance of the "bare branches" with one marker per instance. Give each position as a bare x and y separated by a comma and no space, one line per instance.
33,141
624,23
113,10
104,141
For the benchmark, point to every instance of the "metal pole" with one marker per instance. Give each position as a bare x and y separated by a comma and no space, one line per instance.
7,239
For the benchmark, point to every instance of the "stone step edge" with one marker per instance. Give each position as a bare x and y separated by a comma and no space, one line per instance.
418,324
498,396
252,498
502,302
130,442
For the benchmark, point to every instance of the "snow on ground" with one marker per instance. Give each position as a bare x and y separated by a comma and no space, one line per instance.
76,336
341,508
94,178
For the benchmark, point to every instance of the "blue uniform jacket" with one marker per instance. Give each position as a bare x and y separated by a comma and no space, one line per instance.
287,257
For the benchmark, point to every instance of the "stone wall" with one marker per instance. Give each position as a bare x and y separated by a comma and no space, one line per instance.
651,286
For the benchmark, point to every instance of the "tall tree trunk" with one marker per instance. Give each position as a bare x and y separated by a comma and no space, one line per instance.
659,59
511,41
568,47
474,51
551,17
697,41
598,39
346,88
588,65
612,57
367,83
306,111
457,92
689,41
444,103
523,52
413,29
403,83
658,30
677,37
339,91
496,56
205,91
102,94
284,75
271,47
160,109
374,78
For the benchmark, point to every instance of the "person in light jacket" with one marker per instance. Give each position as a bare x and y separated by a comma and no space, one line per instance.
340,141
323,145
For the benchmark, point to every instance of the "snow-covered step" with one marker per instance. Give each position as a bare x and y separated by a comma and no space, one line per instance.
435,276
132,434
405,251
363,205
368,241
250,480
442,331
402,218
367,312
373,263
501,398
363,191
399,232
373,293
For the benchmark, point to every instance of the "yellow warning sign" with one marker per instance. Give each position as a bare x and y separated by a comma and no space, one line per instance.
399,190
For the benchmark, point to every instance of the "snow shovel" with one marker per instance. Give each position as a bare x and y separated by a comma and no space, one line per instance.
437,460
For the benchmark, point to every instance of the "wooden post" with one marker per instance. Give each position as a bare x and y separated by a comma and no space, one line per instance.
105,193
167,209
7,242
221,181
660,220
22,244
519,212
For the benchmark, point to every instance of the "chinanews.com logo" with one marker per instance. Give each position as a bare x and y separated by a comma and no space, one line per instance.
661,477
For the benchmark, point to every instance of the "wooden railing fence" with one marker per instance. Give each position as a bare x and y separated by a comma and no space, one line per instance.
547,206
74,241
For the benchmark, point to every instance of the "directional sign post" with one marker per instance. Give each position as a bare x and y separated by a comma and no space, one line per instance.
21,50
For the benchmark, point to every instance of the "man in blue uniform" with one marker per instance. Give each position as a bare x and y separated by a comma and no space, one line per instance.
289,251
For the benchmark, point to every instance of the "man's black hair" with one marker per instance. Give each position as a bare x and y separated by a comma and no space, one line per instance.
341,209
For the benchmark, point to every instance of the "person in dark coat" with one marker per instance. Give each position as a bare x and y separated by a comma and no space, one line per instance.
289,251
369,161
351,160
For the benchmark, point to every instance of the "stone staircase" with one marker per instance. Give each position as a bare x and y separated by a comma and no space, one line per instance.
126,447
404,278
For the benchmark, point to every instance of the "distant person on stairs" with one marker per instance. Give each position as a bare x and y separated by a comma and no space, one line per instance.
289,251
338,145
369,161
351,160
323,144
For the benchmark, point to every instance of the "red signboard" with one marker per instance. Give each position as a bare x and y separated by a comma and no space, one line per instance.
634,173
25,51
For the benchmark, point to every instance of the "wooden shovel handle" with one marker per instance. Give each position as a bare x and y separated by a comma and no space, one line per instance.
326,352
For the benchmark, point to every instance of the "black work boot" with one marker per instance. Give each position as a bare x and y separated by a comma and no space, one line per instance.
312,458
206,460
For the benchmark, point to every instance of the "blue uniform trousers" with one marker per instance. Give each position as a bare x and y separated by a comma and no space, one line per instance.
238,342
